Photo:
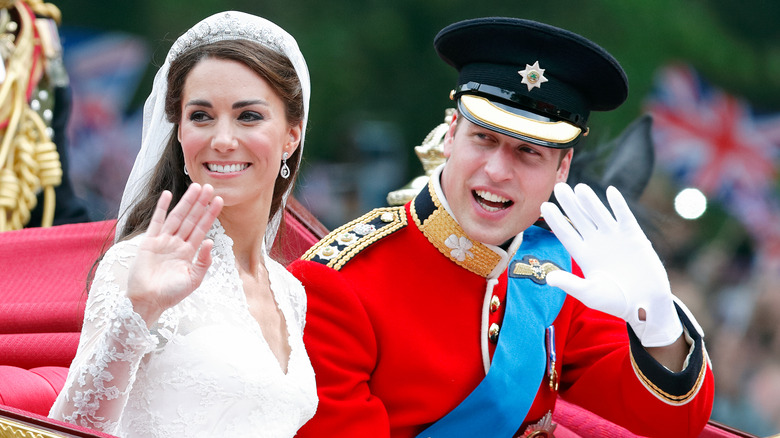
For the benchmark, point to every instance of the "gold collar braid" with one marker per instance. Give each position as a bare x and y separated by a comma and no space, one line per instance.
29,160
444,233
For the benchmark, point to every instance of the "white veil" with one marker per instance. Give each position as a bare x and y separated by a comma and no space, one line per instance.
227,25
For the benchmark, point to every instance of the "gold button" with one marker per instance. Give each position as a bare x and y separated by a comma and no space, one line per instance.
386,217
495,303
493,332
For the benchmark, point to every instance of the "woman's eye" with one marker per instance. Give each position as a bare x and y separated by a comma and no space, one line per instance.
199,116
250,116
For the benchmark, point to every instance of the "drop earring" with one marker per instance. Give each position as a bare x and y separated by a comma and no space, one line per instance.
285,171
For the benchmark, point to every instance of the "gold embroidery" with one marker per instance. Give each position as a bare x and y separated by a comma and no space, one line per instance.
356,235
447,236
534,268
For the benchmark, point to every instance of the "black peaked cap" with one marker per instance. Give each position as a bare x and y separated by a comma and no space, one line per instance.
581,76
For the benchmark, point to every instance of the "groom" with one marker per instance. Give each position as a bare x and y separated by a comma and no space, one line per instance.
458,314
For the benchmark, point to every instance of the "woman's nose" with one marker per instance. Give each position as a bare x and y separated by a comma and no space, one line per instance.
224,139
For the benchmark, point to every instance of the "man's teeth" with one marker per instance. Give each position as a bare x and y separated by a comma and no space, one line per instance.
230,168
492,197
491,202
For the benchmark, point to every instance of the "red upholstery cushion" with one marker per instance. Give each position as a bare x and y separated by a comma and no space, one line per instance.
29,317
33,389
42,286
581,422
717,430
30,350
574,421
42,293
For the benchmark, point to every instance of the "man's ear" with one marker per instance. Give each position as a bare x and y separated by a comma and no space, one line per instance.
448,137
564,166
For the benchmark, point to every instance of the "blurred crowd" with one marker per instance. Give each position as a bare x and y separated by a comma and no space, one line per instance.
734,295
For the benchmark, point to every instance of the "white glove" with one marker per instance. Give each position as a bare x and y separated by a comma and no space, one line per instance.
622,271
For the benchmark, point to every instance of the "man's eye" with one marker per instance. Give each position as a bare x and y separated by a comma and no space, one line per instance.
483,137
528,150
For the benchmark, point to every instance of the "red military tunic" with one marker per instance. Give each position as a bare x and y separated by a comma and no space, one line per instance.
398,331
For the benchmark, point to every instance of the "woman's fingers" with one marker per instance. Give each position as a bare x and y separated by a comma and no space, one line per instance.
202,262
158,217
182,208
189,221
198,208
205,220
192,208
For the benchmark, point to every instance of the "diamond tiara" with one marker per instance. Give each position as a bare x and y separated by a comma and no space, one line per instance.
226,27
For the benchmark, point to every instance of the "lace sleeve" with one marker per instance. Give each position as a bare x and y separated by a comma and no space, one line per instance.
113,341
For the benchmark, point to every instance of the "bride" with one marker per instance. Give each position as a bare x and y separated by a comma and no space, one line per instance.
191,329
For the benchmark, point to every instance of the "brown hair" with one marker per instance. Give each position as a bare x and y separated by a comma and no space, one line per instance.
269,64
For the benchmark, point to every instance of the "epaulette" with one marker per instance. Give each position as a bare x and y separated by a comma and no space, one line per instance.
345,242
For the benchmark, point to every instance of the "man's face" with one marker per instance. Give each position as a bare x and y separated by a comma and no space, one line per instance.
494,183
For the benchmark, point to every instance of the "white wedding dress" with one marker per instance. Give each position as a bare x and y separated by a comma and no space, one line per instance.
204,370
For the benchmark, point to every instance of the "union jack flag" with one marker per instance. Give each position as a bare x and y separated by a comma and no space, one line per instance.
708,139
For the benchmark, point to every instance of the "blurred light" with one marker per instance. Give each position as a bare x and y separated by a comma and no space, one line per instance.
690,203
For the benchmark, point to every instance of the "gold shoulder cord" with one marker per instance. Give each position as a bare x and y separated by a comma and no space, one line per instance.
29,161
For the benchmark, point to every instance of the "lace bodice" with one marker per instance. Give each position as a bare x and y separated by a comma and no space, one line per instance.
204,369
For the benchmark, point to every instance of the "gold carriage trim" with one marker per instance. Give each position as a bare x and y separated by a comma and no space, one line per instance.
448,237
665,396
345,242
12,428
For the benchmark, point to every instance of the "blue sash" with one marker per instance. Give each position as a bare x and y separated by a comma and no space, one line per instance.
499,404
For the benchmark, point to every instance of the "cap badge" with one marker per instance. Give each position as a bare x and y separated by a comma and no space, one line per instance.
533,76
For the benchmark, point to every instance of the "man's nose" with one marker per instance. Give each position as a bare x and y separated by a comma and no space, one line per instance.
499,164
